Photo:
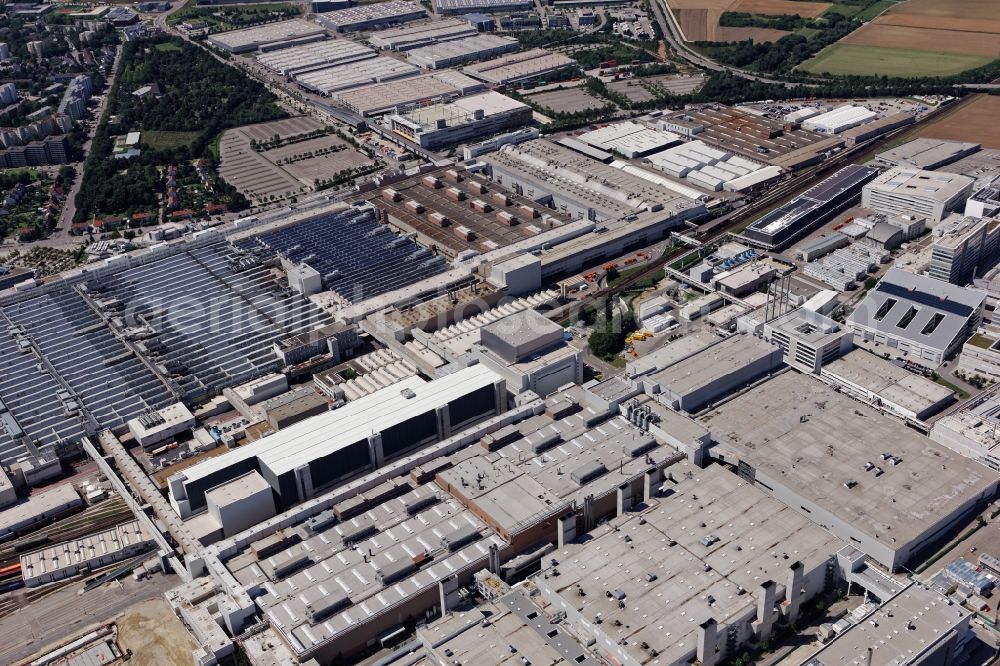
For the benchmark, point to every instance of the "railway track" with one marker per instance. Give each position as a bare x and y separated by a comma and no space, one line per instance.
717,229
93,519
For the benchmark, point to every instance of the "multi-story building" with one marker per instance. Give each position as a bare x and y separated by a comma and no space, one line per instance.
528,351
808,340
8,92
465,118
963,247
920,317
905,190
981,354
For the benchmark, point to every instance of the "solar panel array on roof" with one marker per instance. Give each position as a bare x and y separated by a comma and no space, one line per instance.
29,392
356,256
215,313
791,220
104,378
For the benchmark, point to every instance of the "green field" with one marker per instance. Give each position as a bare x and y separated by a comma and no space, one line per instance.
167,46
874,10
846,10
167,140
846,59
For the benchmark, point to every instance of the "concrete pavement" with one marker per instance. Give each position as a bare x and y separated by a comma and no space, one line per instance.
61,614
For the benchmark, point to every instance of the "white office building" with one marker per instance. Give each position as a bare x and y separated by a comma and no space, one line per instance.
909,191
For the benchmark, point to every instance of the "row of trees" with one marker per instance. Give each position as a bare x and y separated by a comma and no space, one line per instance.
787,22
786,53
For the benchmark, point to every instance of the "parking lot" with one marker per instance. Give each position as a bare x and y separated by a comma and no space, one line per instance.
568,100
279,160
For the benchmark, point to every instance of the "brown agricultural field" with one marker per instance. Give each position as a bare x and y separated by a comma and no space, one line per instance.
699,19
803,9
938,40
953,12
976,121
694,24
964,24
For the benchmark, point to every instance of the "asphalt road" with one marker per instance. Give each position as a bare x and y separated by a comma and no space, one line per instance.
61,232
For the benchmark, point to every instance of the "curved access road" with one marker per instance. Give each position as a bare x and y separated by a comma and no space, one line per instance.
674,37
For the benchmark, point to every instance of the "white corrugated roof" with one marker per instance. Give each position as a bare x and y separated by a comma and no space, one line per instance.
329,432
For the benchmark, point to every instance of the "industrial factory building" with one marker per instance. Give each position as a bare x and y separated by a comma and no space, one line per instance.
329,80
710,373
411,37
83,555
519,66
817,204
886,386
365,434
712,169
629,139
839,120
352,253
549,486
455,211
585,189
298,59
909,191
465,118
210,316
455,7
866,477
372,16
528,351
750,135
973,430
916,626
925,319
41,404
441,55
930,154
379,98
268,36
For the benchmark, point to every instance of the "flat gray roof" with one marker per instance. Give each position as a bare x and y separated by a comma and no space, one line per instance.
812,438
266,34
523,327
910,623
925,153
470,641
671,353
807,325
906,181
755,534
887,308
713,363
519,482
888,380
335,569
